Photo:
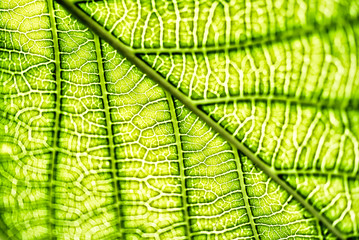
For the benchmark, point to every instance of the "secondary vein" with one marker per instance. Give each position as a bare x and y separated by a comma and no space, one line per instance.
108,125
57,112
180,162
244,193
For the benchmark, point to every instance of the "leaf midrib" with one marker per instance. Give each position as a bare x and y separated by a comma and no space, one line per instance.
56,129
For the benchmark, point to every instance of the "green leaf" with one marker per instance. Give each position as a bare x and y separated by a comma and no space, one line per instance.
91,147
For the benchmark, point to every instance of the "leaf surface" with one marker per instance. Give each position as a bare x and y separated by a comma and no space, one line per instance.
287,89
92,148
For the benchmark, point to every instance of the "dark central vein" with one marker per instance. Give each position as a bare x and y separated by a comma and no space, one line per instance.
56,130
